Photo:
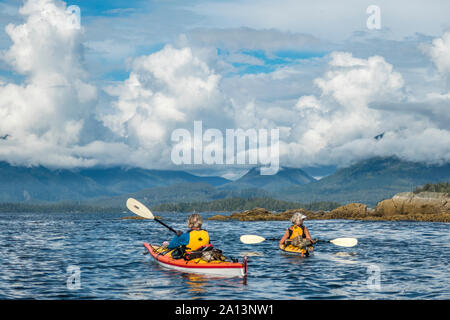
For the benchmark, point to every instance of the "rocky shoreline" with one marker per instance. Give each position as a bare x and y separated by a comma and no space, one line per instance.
406,206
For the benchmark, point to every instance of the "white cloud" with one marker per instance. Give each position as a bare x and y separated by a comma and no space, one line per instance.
235,39
439,52
308,103
335,127
414,143
110,49
328,108
244,59
49,108
328,19
166,90
357,82
339,127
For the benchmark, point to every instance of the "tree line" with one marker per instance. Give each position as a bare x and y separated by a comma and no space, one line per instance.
229,204
434,187
240,204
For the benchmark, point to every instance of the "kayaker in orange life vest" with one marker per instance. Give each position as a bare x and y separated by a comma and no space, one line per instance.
194,238
297,234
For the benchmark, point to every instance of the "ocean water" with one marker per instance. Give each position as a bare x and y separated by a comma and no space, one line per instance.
41,254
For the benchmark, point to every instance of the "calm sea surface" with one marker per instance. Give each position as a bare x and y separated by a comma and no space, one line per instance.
393,260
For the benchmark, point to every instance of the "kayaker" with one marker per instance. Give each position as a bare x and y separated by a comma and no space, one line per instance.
195,238
297,234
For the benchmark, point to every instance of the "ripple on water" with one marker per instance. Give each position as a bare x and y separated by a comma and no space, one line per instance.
36,249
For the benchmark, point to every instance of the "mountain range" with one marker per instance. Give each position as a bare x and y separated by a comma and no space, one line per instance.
18,183
285,177
367,181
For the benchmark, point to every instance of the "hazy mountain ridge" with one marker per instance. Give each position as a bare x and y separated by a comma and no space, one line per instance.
19,184
24,184
285,177
367,181
183,192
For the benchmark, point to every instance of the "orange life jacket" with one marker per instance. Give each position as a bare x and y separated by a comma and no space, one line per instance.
296,231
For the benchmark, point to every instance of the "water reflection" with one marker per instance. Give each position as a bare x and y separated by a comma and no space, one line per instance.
345,257
196,283
293,258
201,286
37,248
251,254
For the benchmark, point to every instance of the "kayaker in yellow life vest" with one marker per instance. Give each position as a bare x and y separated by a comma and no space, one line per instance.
194,238
297,234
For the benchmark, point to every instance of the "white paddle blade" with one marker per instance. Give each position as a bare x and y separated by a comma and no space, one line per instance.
251,239
138,208
345,242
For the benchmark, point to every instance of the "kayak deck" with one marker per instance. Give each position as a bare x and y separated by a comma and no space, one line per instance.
216,267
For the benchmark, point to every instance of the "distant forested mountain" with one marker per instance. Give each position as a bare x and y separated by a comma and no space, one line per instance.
183,192
240,204
285,177
368,181
18,183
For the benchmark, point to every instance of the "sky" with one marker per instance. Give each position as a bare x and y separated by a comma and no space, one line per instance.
111,89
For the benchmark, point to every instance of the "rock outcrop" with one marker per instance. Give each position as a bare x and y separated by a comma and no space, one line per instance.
425,206
408,203
352,210
261,214
219,217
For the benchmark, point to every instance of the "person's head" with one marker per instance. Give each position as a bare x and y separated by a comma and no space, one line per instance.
297,218
195,221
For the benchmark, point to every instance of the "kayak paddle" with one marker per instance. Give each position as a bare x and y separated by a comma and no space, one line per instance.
252,239
138,208
342,242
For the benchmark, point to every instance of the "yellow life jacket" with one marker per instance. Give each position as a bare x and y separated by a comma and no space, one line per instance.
197,238
296,231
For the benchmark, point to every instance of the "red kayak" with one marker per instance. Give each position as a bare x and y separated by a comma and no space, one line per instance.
216,267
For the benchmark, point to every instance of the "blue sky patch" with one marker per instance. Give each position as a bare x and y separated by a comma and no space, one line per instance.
271,61
105,8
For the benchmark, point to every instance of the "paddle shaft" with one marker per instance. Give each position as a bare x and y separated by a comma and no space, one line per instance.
141,210
340,242
165,225
316,240
322,241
